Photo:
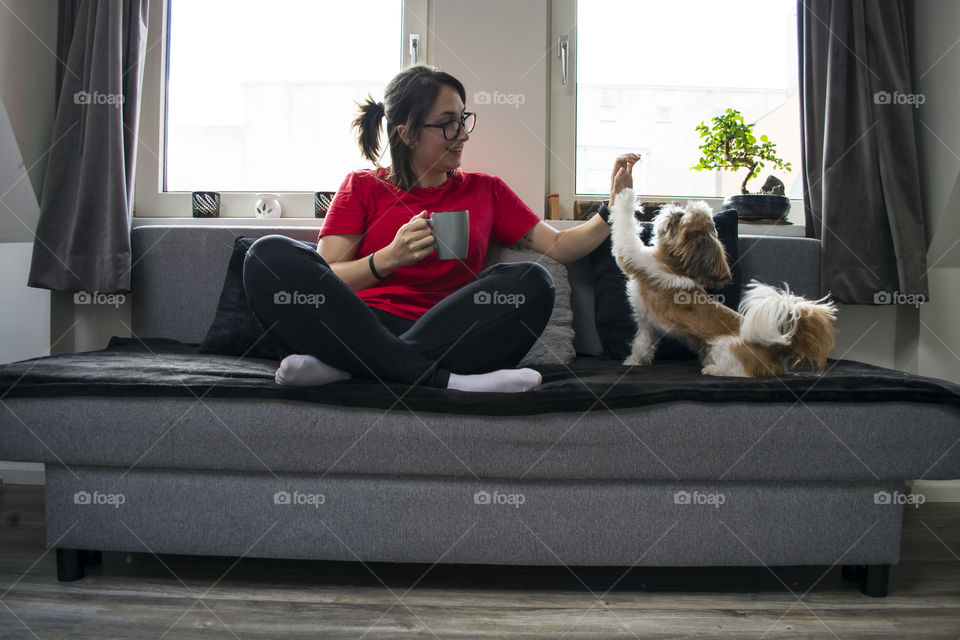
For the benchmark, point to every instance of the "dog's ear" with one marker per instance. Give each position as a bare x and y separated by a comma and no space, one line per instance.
666,223
703,258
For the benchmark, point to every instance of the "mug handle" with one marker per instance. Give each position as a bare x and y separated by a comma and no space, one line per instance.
430,224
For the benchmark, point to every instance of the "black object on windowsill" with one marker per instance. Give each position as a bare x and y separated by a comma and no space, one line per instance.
206,204
321,202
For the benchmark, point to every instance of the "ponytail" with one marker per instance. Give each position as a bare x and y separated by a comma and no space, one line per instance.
367,124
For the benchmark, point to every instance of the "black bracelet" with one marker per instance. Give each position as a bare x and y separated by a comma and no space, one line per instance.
373,269
605,213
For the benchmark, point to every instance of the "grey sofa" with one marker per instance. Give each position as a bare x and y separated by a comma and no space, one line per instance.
676,482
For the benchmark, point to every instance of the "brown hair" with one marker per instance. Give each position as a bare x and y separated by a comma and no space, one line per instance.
407,100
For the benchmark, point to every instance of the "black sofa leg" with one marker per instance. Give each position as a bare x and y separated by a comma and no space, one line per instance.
70,563
873,578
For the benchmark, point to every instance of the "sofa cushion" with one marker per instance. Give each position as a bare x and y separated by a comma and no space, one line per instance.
613,314
235,330
555,345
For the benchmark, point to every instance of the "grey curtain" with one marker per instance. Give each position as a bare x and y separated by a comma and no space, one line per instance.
83,235
861,178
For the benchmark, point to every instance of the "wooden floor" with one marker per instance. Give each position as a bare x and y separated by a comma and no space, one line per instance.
142,596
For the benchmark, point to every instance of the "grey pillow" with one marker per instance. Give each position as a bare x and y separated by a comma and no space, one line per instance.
555,345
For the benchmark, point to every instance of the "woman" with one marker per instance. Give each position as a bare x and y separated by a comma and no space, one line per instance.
381,304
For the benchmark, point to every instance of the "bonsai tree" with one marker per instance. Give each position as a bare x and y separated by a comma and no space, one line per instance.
730,145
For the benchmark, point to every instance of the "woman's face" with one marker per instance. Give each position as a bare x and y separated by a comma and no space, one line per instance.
433,155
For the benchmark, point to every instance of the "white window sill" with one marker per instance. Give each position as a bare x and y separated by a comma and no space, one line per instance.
786,230
228,222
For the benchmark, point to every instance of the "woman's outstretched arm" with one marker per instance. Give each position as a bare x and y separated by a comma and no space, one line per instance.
570,245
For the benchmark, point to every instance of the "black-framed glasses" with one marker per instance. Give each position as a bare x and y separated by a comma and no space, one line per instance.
451,129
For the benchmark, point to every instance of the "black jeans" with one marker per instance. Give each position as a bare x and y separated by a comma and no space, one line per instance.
487,324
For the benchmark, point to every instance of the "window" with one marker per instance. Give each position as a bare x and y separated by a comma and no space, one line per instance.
260,95
666,72
247,97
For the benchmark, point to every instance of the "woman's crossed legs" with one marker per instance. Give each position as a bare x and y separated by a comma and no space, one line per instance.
470,340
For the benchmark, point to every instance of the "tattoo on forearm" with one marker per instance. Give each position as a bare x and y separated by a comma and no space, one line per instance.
527,237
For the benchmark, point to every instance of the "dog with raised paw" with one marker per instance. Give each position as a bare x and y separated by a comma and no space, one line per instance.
773,331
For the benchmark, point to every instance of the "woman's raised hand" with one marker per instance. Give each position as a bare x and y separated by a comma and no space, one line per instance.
622,176
413,242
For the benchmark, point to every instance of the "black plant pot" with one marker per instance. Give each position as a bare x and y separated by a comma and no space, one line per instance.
758,206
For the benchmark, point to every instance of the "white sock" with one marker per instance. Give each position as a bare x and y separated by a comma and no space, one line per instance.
307,371
502,380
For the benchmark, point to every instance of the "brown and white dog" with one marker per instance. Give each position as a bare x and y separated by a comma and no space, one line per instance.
773,330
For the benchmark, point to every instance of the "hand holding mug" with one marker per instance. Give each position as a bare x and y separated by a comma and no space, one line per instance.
414,242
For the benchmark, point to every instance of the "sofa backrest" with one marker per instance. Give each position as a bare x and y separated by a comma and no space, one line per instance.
178,273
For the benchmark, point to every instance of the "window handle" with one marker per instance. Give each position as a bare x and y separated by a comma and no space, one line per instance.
562,53
414,48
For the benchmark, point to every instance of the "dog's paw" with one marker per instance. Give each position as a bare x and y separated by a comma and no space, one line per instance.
713,370
639,361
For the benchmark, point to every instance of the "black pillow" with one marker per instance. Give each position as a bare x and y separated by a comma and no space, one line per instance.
235,330
613,315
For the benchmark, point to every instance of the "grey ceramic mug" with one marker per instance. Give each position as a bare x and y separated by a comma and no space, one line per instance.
452,232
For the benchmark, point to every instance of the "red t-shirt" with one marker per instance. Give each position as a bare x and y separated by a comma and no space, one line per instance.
367,203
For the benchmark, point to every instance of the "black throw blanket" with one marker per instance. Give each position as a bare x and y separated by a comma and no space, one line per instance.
156,367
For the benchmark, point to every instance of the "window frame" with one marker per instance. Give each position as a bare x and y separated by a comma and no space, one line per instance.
150,201
563,131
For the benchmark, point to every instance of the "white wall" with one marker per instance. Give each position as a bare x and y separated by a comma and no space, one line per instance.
27,74
500,47
28,34
936,69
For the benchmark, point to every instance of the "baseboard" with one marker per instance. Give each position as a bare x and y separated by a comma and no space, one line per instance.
22,472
